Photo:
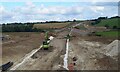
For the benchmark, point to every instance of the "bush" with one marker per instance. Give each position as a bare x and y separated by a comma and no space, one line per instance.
114,27
107,26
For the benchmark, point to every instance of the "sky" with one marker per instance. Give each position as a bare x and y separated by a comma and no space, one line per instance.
40,11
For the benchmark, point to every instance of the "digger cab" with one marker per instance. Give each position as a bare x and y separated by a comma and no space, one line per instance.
45,45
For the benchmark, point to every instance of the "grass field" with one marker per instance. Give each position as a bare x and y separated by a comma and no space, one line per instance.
109,33
50,25
109,22
81,27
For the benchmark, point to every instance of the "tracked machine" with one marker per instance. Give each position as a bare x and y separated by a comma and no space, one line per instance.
46,42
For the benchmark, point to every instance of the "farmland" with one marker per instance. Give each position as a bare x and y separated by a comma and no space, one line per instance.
80,27
50,25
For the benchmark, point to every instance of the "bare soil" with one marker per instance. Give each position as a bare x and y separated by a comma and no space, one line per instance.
89,55
51,59
86,49
19,44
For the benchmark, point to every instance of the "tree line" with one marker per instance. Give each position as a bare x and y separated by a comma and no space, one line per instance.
26,27
19,27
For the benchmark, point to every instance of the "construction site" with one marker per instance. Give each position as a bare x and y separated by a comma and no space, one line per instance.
68,48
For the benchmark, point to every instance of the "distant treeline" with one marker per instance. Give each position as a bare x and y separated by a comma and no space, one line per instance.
55,22
19,27
27,27
101,18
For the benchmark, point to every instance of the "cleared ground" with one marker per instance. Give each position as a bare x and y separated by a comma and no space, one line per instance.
48,60
88,51
19,44
89,55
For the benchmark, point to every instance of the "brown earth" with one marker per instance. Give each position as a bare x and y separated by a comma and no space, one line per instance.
19,44
89,55
105,40
51,59
86,49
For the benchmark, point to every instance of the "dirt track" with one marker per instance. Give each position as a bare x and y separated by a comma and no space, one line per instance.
48,60
17,45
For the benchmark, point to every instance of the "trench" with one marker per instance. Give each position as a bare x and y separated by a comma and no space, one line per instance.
66,56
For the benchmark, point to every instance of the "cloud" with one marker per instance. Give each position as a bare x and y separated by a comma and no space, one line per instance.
4,15
1,9
54,10
32,12
97,8
106,4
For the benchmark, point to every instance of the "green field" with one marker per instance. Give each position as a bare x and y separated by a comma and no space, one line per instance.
109,22
81,27
109,33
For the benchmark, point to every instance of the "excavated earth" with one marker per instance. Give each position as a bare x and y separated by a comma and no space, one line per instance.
51,59
93,55
15,45
85,52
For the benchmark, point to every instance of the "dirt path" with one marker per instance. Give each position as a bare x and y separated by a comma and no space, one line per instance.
48,60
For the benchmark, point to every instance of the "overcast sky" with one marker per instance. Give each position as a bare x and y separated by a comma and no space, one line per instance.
35,11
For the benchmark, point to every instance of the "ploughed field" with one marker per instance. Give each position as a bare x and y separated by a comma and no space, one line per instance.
51,25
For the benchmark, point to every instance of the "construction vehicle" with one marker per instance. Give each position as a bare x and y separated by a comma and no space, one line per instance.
6,66
45,45
67,36
46,42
